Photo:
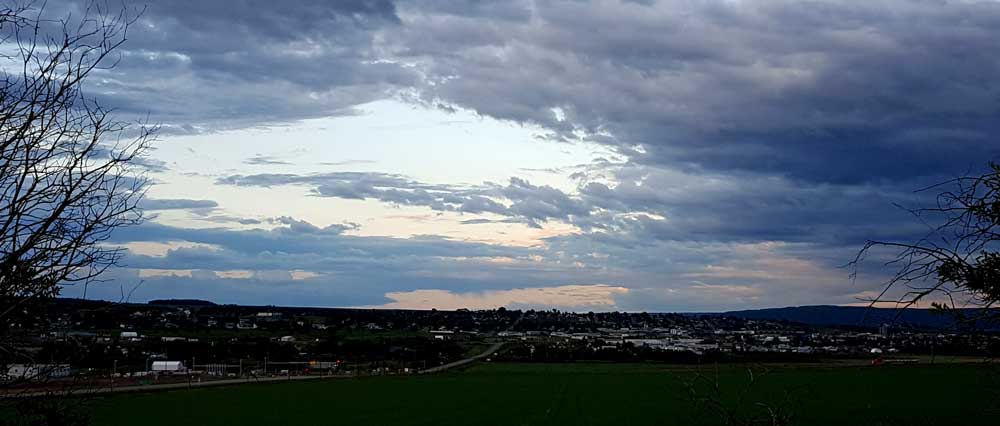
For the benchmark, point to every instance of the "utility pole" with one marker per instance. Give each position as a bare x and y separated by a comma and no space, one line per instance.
114,368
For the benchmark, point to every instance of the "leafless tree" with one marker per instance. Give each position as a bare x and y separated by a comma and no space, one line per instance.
70,173
957,263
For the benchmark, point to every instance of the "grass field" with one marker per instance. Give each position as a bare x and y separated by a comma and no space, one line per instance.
580,394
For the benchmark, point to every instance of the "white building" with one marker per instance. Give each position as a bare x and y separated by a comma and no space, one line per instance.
36,371
442,334
168,366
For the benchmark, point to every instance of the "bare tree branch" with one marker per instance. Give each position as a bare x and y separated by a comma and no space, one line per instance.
69,171
958,258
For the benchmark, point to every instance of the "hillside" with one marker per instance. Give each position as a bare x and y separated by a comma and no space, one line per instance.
861,316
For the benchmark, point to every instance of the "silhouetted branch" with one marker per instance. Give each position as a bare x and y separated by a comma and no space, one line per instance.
69,171
958,257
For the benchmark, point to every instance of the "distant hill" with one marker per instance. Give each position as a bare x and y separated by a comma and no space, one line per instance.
855,316
181,302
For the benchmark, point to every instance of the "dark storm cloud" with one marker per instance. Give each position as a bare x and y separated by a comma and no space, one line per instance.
750,207
196,65
825,91
835,92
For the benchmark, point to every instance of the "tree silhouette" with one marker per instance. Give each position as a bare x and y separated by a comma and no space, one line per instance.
70,173
958,258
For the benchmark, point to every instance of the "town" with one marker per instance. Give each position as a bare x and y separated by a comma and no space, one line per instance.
179,341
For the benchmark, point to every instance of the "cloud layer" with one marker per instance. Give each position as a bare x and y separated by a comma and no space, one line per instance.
760,143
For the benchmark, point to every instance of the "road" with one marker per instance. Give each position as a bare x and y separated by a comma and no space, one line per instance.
489,351
166,386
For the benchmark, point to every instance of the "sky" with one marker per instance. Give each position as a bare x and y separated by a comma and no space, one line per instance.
583,155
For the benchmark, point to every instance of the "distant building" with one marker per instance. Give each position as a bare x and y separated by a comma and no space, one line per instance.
36,371
168,367
442,334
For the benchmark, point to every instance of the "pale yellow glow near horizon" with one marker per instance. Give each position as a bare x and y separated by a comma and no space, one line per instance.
159,273
578,297
232,274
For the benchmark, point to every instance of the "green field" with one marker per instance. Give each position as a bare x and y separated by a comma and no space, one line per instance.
581,394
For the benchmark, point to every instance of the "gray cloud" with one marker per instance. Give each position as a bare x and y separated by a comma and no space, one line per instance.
265,160
351,270
652,203
834,92
761,136
301,226
827,91
177,204
347,162
519,199
201,66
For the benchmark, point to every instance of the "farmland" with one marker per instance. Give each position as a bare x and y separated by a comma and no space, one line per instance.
581,394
